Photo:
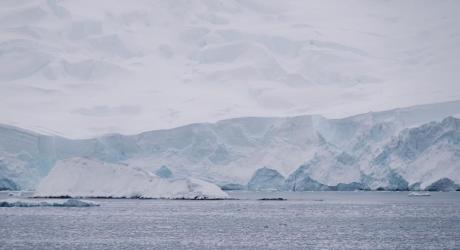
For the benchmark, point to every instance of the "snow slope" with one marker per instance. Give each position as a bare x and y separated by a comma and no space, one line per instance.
85,68
79,177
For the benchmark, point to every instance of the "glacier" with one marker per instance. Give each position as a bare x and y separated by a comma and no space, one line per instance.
405,148
79,177
424,154
164,172
72,59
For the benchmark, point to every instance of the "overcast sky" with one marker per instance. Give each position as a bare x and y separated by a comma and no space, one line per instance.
85,68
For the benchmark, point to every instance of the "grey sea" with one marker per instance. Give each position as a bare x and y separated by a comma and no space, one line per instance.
305,220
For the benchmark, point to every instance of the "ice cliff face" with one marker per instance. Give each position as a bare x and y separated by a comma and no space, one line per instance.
425,154
379,150
301,181
266,179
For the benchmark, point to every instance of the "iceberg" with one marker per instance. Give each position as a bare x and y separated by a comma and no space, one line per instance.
46,203
81,177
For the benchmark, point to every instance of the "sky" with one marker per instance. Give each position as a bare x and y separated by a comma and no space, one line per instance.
86,68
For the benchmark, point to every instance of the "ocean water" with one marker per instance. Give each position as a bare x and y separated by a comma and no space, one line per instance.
306,220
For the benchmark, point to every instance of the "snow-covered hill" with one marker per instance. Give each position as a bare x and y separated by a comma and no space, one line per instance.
85,68
332,151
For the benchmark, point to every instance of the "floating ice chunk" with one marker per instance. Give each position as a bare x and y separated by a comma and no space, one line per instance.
46,203
272,199
419,194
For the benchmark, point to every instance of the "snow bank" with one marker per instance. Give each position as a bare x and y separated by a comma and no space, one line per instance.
78,177
47,203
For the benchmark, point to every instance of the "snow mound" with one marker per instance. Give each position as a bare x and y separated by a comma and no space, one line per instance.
47,203
79,177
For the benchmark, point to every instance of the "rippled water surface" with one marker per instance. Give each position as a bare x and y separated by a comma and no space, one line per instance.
309,220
